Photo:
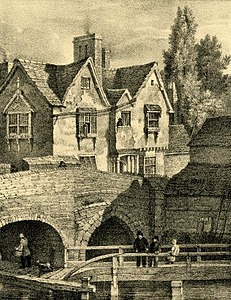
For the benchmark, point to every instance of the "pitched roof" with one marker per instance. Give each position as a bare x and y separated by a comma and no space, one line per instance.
114,95
130,78
200,179
52,80
214,132
37,73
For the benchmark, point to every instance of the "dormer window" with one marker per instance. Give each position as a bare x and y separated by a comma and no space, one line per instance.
85,83
152,116
19,125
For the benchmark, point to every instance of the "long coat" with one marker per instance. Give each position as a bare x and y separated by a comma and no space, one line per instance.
23,247
141,245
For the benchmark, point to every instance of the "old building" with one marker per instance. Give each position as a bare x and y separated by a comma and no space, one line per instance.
115,120
197,199
140,113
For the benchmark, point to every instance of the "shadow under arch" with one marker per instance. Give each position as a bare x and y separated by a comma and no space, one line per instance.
44,241
112,231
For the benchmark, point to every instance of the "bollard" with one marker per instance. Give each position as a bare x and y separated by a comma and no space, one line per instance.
177,290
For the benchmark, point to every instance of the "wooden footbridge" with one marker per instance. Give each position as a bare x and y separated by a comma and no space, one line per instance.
196,262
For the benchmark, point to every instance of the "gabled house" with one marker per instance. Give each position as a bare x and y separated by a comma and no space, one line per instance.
115,120
141,111
50,110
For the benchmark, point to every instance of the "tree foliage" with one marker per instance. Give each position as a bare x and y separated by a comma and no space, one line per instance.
196,70
211,63
180,58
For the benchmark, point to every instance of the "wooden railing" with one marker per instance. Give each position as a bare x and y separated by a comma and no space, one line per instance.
188,253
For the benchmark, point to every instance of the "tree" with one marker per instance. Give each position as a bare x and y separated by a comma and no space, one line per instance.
180,58
210,65
195,101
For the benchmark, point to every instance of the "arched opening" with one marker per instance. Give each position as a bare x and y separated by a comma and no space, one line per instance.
113,231
44,241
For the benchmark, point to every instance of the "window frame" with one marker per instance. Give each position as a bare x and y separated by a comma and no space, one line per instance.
19,124
86,123
152,115
155,120
149,164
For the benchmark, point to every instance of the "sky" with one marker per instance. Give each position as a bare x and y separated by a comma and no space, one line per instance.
136,31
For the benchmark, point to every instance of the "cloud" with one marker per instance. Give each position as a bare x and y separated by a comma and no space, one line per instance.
136,30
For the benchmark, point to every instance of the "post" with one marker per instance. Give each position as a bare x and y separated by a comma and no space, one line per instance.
198,251
85,295
121,259
177,290
114,282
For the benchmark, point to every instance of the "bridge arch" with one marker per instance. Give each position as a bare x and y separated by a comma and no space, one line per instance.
112,230
46,240
35,217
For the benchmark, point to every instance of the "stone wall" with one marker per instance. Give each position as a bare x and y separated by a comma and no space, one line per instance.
75,201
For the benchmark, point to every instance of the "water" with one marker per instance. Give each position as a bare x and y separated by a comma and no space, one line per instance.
194,290
11,292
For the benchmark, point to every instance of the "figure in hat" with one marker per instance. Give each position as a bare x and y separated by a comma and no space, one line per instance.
141,246
154,248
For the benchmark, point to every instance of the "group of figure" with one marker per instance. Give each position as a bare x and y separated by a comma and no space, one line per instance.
141,245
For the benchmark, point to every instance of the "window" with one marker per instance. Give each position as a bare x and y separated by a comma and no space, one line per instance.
152,82
86,122
152,115
153,119
85,83
126,118
149,166
18,125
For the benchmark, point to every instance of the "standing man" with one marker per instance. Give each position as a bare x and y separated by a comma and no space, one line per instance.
140,246
24,250
154,248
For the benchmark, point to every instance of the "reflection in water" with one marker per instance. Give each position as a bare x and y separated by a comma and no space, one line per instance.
10,292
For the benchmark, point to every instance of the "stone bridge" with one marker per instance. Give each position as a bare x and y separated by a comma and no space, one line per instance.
66,207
